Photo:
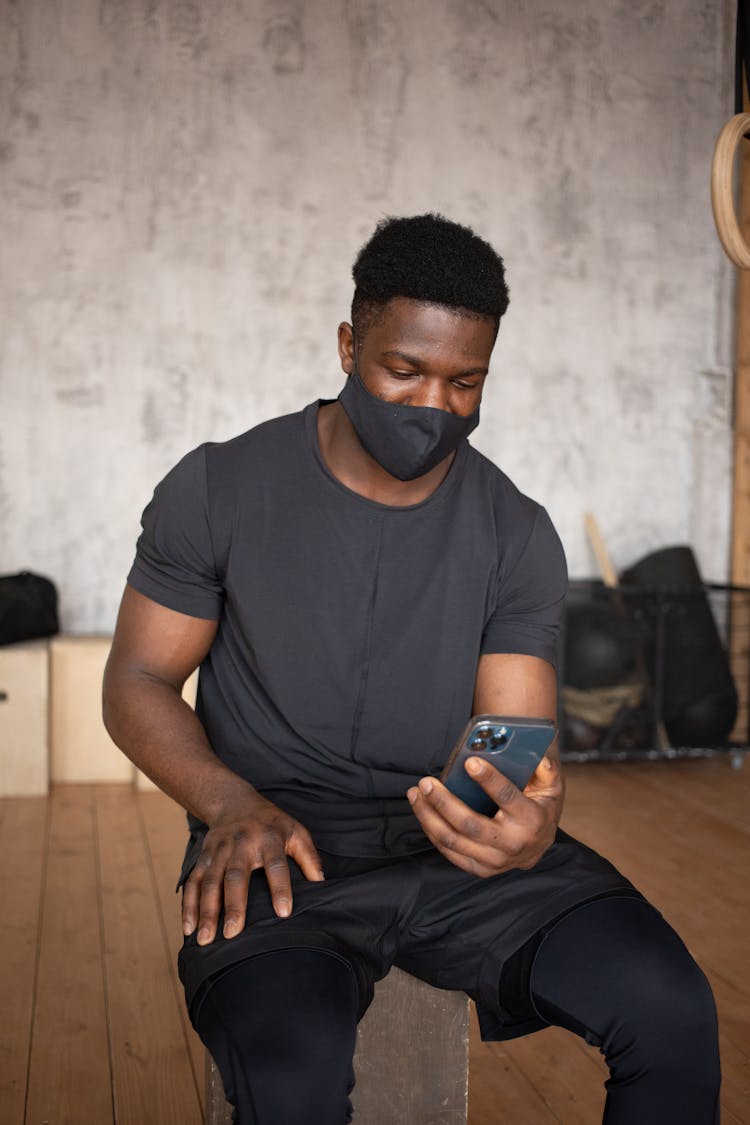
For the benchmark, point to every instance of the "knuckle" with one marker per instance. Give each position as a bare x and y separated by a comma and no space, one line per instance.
212,855
476,867
300,835
276,863
507,790
447,840
235,876
471,827
212,881
438,798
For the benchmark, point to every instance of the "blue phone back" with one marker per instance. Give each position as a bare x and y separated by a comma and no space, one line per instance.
519,750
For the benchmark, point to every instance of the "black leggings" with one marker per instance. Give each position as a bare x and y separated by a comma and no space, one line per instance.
614,972
281,1026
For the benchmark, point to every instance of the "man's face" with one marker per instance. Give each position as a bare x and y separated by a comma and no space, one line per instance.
422,355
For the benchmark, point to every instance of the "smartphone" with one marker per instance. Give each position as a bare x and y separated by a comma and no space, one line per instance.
513,746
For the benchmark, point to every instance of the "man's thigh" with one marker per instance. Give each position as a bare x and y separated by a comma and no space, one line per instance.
464,933
357,912
444,925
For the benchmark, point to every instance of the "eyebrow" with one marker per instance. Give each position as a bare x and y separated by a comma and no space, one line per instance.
415,361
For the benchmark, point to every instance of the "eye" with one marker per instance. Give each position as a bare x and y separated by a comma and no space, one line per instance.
465,386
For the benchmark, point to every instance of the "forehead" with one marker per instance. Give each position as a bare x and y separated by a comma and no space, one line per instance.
422,329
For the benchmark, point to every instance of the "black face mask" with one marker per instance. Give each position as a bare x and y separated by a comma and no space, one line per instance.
407,441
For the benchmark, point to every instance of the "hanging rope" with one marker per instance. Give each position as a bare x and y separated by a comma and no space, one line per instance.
722,195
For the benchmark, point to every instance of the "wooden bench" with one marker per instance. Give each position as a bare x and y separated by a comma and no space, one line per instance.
411,1061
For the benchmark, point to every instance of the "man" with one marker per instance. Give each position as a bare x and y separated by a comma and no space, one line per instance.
355,581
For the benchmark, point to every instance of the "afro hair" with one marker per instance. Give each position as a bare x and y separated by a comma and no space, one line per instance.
431,259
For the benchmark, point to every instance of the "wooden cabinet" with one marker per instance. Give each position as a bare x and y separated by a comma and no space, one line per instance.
24,703
80,748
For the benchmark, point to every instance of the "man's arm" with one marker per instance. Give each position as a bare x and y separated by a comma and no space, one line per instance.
524,826
153,652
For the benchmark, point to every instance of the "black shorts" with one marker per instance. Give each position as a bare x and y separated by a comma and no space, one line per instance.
421,913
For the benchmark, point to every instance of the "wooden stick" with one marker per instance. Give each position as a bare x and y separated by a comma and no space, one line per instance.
610,579
606,569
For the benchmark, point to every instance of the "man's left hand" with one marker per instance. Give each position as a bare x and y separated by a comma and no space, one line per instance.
517,836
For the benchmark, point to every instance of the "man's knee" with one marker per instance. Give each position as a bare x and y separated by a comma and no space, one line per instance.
615,971
666,1016
663,1040
282,1028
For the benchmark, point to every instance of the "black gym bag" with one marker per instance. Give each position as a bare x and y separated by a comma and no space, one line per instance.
28,607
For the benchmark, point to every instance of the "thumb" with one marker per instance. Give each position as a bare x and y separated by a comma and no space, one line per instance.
546,779
304,853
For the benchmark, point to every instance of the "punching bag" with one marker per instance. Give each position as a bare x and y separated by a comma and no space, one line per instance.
699,699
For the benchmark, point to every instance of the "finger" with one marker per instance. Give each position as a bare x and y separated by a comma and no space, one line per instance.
190,899
438,799
279,882
191,893
236,883
304,853
470,864
211,896
502,790
476,838
546,780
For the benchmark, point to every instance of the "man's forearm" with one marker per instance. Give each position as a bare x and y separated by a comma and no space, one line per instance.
162,735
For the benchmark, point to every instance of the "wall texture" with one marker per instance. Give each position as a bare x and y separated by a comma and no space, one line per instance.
184,185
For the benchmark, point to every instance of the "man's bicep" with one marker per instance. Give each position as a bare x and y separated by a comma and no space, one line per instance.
512,684
152,640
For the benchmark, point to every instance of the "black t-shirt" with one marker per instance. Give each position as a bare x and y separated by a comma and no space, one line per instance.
349,631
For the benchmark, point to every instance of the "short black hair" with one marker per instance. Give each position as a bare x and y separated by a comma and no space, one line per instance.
431,259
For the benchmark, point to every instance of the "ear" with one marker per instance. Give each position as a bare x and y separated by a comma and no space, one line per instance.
346,347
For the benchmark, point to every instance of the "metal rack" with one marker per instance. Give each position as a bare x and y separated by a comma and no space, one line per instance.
668,637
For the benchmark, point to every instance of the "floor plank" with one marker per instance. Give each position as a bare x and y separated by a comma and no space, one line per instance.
23,846
166,833
498,1088
733,1001
735,1079
678,829
688,864
69,1046
711,783
152,1075
569,1081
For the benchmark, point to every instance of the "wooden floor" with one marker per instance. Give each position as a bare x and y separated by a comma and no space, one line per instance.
93,1029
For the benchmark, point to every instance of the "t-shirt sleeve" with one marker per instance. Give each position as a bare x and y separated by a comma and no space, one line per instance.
174,563
530,597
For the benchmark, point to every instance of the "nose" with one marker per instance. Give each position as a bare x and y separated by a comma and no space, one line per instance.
431,392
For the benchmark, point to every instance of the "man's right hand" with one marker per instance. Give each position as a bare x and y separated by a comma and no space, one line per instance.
153,652
249,833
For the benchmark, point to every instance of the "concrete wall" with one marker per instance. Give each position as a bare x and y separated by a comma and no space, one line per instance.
184,185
